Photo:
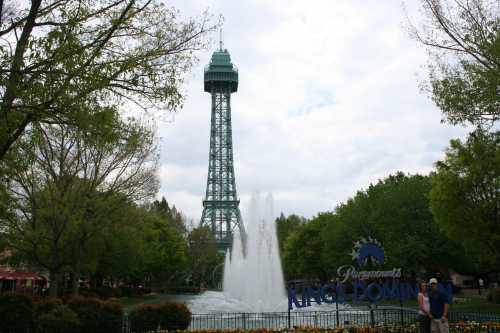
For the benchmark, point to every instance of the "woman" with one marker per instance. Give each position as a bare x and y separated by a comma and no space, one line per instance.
424,315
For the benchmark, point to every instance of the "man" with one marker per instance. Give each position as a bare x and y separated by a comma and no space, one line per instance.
438,308
480,282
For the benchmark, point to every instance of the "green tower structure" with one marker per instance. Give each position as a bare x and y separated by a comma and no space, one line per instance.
221,205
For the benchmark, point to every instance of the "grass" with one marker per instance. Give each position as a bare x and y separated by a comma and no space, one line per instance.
129,303
461,303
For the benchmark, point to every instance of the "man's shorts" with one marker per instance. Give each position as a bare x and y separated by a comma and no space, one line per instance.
439,326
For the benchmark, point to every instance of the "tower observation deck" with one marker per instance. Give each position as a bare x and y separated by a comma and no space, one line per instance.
221,211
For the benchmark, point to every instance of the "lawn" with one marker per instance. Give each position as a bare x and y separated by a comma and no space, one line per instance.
461,303
130,303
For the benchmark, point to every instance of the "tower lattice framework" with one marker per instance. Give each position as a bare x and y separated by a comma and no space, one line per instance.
221,205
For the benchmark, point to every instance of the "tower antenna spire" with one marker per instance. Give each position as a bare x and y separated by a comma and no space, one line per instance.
221,44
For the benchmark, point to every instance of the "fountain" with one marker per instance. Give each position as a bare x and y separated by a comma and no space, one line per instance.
256,278
253,282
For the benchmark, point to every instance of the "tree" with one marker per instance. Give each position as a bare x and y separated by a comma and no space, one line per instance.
140,246
62,60
203,255
285,226
465,195
303,251
396,212
174,217
463,39
64,189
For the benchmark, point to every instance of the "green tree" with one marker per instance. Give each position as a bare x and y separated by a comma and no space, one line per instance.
63,187
140,246
285,226
171,214
303,251
62,60
396,212
465,195
203,255
463,39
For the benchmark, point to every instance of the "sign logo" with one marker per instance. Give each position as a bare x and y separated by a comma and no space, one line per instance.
366,249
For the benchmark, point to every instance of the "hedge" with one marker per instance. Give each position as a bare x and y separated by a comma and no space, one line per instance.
166,315
16,313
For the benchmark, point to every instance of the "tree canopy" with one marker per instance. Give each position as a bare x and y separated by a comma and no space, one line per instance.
60,61
463,40
465,196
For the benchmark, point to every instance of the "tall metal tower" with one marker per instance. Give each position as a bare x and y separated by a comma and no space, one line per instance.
221,205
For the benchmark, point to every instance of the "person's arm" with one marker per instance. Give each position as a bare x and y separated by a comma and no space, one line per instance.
421,302
445,312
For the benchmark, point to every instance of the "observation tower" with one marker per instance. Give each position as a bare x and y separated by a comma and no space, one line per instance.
221,205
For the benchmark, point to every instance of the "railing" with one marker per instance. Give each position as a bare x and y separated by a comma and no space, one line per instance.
378,317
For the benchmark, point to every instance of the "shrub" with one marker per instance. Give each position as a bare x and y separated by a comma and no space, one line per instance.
494,295
17,313
174,316
60,319
46,305
112,317
145,317
167,315
108,292
97,316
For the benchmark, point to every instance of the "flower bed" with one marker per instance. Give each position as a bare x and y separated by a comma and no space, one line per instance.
461,327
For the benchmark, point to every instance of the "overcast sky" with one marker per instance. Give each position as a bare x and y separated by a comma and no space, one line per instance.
328,102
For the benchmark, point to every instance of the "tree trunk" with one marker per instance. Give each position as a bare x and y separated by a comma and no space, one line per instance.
54,283
75,281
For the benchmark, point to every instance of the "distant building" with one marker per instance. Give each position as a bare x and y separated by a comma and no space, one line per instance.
19,278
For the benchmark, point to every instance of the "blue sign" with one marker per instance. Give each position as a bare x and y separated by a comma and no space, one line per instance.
365,249
372,292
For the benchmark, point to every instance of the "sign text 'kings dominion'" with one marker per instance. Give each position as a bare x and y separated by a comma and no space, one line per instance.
372,292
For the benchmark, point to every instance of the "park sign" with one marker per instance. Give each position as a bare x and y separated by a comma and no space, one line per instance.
364,251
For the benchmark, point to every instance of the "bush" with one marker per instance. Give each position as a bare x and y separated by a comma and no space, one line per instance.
174,316
17,313
145,317
97,316
166,315
60,319
111,317
494,295
46,305
108,292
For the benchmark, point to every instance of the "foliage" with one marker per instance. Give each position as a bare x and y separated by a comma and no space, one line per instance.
463,39
60,319
303,250
203,255
144,318
71,183
174,316
172,215
62,61
465,195
47,305
460,327
17,313
166,315
285,227
97,316
394,211
494,295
